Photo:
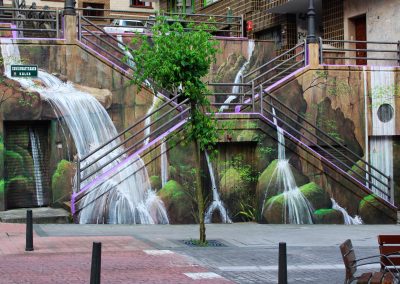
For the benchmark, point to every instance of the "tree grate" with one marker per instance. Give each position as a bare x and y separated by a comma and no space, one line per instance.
210,243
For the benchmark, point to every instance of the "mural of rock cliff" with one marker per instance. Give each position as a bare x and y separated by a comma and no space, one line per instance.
261,172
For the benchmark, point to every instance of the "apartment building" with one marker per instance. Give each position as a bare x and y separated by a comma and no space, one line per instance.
136,6
285,21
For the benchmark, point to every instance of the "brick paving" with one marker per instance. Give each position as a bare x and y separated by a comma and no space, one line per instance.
155,254
68,259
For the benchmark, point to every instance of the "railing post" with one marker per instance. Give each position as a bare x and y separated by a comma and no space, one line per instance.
398,52
253,97
241,26
321,51
261,99
79,27
78,175
57,23
391,188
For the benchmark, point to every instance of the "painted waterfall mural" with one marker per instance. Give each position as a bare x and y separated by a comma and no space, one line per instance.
248,154
127,197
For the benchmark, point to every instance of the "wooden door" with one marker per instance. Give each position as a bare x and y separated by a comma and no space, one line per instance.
361,35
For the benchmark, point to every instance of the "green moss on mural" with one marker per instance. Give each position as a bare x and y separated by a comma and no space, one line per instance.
155,182
2,184
372,211
21,139
61,181
274,210
1,157
328,216
268,182
17,183
230,181
177,202
247,135
171,190
317,196
27,159
15,164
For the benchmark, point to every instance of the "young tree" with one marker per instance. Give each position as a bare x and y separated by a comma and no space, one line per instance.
176,59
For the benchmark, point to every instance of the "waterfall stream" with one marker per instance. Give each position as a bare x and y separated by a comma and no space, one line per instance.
348,220
127,197
37,169
296,209
217,203
239,76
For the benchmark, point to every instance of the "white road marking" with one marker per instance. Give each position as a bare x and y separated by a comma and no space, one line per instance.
292,267
157,252
202,275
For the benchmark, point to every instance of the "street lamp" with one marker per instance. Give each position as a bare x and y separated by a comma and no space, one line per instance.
69,7
311,37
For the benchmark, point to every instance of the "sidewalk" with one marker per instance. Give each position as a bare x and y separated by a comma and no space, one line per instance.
67,260
155,253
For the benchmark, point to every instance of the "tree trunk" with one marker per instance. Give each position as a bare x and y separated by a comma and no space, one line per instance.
199,193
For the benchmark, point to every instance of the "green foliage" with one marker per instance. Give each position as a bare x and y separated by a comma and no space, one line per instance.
323,211
172,189
245,171
1,186
334,86
247,212
265,150
176,60
62,181
27,99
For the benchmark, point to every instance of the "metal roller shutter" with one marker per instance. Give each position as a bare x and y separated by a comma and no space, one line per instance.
26,163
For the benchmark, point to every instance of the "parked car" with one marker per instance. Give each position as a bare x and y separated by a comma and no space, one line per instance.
126,26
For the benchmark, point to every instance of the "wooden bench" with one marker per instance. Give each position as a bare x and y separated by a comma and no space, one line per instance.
389,248
351,264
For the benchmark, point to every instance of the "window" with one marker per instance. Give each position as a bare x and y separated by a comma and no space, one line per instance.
94,12
139,3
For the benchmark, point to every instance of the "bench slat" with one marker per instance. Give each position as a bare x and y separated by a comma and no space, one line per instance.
388,239
376,278
364,278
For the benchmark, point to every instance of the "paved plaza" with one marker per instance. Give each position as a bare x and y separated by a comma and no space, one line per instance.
156,253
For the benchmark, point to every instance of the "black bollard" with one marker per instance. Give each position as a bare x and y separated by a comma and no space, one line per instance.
282,269
96,264
29,231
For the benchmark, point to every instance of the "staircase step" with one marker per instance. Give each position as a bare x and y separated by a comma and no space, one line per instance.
41,215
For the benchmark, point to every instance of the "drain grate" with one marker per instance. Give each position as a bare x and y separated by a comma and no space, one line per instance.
210,243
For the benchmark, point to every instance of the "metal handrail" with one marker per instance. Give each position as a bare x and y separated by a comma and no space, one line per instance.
360,41
394,57
13,19
130,148
233,22
127,139
326,152
333,148
275,59
129,128
142,155
103,32
327,136
281,72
